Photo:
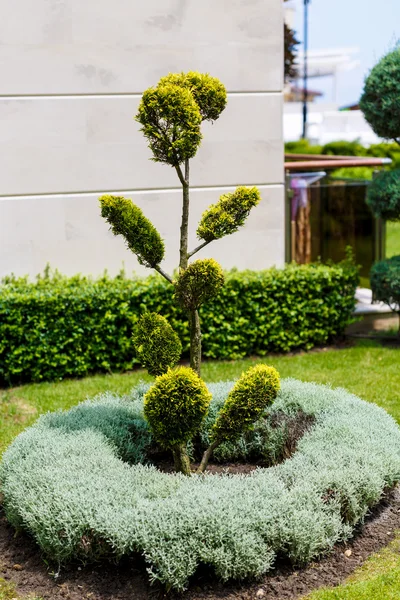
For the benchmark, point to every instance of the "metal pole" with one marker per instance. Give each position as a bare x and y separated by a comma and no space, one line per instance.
305,72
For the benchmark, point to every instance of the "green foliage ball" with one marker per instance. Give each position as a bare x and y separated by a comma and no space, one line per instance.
253,392
208,92
170,120
201,281
383,195
176,405
385,282
230,213
127,219
380,99
157,345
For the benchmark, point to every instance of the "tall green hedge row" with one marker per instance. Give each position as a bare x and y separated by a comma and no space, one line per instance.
63,327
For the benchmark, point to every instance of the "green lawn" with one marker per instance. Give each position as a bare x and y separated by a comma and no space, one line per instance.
367,369
377,579
392,239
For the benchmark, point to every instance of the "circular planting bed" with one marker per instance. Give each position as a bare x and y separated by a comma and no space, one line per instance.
79,482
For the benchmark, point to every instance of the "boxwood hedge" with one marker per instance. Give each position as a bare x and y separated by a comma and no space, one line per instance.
61,327
70,482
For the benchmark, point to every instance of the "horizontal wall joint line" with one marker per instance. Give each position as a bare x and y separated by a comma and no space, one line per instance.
146,191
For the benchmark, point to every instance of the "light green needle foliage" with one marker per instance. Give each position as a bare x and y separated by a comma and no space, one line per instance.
201,281
70,489
157,345
380,99
208,92
230,213
127,219
170,120
253,392
383,195
176,405
385,281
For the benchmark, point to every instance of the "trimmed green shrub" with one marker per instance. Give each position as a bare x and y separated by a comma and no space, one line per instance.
380,99
201,281
302,147
174,407
70,490
385,282
170,120
63,327
127,219
343,148
383,196
230,213
157,346
208,92
252,393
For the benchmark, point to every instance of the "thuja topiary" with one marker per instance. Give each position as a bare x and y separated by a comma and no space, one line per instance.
381,107
385,283
248,399
383,196
157,345
175,407
170,116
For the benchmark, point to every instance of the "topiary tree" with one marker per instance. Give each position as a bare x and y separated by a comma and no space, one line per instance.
170,116
385,283
381,107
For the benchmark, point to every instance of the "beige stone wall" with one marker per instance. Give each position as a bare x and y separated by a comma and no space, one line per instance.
73,72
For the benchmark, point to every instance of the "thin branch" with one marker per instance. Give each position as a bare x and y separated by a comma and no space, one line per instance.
199,248
180,175
163,273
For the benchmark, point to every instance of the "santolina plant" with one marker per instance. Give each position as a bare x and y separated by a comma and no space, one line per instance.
71,484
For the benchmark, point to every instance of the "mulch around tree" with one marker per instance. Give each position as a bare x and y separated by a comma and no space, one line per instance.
22,563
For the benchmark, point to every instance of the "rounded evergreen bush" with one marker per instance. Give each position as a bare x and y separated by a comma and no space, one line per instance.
157,345
67,481
385,282
383,195
380,99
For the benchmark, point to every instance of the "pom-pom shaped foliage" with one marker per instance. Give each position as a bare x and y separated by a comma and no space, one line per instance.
175,406
385,282
383,196
230,213
201,281
208,92
256,389
170,120
380,99
127,219
157,345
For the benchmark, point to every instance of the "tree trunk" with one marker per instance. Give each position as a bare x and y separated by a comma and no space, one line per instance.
181,459
206,457
183,249
195,341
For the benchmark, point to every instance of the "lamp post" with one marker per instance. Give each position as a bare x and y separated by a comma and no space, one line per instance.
305,71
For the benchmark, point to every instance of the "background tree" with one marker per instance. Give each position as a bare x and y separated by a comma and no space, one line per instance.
290,49
170,116
381,107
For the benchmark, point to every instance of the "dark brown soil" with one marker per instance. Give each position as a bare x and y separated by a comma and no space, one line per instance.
21,562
